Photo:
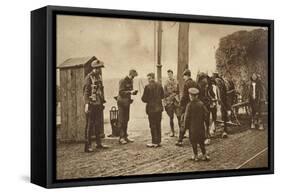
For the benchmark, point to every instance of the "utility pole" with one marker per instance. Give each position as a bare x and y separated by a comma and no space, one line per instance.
159,51
183,51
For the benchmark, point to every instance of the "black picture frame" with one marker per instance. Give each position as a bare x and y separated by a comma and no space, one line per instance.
43,95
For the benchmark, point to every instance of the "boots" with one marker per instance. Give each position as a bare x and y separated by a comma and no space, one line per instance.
207,141
253,124
261,125
224,135
172,128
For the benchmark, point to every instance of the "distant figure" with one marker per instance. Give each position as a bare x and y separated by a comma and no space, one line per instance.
94,100
123,102
185,99
195,118
152,95
171,100
255,100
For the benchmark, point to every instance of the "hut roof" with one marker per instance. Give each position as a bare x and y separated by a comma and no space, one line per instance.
75,62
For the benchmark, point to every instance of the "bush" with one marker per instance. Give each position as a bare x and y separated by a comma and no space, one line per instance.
242,53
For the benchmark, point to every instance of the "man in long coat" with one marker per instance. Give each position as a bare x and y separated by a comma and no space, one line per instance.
185,99
124,101
195,119
152,95
255,101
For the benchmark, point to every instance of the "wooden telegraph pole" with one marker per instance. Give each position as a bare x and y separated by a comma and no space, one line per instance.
159,52
183,51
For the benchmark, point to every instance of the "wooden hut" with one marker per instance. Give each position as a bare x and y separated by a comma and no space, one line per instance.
71,76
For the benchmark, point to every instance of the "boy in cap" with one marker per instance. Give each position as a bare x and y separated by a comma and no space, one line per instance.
195,118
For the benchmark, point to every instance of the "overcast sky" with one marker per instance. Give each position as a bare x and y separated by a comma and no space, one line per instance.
125,43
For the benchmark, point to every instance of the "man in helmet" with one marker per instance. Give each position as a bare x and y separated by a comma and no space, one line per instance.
94,100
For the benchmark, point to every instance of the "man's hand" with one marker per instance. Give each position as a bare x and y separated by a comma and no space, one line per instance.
86,108
134,92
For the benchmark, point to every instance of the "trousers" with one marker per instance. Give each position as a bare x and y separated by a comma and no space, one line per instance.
155,126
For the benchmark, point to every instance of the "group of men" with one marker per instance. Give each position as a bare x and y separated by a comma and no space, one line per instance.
189,108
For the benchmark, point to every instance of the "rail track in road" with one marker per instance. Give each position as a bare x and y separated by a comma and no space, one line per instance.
252,158
239,150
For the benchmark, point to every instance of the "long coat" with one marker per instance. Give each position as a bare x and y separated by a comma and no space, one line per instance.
152,95
185,94
194,119
124,98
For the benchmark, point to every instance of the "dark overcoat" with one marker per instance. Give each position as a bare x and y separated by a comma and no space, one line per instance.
152,95
255,95
124,98
185,94
195,117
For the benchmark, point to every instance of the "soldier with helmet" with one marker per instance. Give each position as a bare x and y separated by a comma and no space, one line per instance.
94,100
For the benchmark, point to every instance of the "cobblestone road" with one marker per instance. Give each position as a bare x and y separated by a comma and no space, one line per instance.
136,158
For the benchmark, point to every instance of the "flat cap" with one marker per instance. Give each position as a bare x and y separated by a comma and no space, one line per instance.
193,91
186,72
133,72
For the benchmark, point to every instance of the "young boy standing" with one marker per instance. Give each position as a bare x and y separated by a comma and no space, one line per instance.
195,118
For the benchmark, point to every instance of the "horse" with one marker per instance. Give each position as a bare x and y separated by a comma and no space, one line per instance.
217,94
225,96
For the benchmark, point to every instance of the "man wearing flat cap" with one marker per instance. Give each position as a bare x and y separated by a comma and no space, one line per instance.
195,118
124,101
185,99
94,100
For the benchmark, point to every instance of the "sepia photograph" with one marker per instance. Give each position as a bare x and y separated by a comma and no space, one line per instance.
146,97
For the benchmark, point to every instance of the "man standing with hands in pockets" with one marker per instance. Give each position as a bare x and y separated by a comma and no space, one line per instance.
152,95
